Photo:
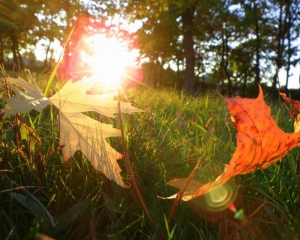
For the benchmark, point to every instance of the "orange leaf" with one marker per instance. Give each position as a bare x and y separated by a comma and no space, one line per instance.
260,142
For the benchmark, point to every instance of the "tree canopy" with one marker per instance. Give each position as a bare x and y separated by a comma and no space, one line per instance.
227,44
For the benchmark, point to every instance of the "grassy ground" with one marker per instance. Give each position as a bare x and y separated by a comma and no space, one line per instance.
39,190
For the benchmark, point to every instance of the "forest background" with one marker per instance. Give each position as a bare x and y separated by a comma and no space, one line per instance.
225,45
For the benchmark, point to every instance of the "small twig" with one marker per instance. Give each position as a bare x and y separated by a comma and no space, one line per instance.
52,151
40,164
180,194
131,174
92,226
16,188
245,223
136,131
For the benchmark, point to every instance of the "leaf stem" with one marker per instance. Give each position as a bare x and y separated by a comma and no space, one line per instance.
131,174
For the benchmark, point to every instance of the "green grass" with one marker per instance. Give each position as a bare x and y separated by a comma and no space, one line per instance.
166,142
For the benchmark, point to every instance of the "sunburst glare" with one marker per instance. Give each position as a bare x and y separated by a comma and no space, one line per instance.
106,50
108,60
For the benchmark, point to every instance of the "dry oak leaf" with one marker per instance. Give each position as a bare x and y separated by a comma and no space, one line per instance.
260,143
77,131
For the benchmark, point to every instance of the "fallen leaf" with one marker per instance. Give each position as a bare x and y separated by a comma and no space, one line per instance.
24,101
295,103
297,123
192,187
260,143
295,106
77,131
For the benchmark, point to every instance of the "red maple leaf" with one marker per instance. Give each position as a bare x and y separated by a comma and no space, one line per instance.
260,143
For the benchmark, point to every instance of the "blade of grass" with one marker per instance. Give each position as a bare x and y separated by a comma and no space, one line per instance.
115,235
52,76
206,131
50,81
48,214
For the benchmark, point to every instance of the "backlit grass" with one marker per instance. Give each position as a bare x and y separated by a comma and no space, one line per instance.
166,142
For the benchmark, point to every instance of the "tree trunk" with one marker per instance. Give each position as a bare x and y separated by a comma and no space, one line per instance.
245,83
14,46
221,69
188,48
21,64
257,48
1,49
225,60
15,50
47,55
289,50
279,57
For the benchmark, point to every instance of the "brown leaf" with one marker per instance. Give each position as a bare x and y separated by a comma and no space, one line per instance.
260,142
295,106
295,103
192,187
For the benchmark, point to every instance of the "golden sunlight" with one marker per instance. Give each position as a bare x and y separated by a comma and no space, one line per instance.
108,59
108,50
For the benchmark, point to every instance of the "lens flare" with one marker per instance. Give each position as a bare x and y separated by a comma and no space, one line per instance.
221,197
238,214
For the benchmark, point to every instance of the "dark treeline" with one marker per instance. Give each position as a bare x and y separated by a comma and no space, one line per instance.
227,44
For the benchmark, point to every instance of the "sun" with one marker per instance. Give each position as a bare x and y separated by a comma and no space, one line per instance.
107,57
106,49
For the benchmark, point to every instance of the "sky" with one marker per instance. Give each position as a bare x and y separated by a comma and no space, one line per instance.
40,52
293,79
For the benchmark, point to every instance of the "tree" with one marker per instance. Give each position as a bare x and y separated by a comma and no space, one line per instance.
159,43
200,38
170,17
18,21
292,35
25,22
51,27
256,27
284,44
242,66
